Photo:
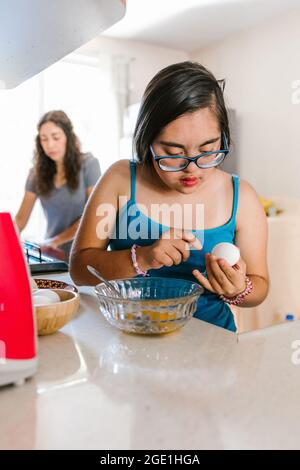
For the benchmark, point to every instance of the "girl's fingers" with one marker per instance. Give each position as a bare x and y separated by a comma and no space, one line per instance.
212,278
222,278
224,273
232,273
186,235
202,280
241,265
234,276
165,260
175,254
192,240
182,247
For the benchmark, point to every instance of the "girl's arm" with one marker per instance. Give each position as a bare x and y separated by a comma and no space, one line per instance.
251,238
25,209
93,236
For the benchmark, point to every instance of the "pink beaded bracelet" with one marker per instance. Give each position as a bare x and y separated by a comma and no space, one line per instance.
134,261
239,299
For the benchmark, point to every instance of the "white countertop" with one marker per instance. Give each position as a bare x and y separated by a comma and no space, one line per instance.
201,387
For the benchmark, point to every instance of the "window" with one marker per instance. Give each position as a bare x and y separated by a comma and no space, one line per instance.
81,86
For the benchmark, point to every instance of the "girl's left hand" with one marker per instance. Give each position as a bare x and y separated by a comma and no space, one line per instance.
222,279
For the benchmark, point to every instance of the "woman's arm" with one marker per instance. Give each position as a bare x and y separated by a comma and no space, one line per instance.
69,233
93,236
25,209
63,237
89,191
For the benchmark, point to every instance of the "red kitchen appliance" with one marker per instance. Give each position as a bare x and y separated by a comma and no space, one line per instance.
18,359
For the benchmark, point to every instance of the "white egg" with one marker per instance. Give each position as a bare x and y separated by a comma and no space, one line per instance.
40,300
50,294
227,251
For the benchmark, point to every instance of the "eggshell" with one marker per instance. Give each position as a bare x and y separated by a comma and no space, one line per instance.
40,300
227,251
50,294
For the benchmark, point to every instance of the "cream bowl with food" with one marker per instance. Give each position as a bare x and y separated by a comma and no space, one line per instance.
52,315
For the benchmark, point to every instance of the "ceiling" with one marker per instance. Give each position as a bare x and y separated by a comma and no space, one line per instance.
189,25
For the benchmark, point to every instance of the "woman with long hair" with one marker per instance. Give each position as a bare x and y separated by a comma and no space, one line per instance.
62,178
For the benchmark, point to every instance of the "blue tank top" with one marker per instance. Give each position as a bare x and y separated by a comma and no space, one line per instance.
133,226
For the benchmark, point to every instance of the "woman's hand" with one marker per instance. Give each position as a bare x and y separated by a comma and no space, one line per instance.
51,248
222,279
172,248
51,242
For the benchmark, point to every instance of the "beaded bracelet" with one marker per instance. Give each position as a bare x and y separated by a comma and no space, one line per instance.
138,270
239,298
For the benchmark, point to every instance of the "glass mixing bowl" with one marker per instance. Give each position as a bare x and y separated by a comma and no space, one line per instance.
150,305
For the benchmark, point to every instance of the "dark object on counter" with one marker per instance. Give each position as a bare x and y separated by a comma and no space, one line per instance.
54,284
39,262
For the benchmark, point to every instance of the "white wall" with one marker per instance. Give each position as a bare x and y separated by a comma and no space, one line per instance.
134,63
147,60
260,66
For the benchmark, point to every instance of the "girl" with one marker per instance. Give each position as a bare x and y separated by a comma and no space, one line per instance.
62,178
181,138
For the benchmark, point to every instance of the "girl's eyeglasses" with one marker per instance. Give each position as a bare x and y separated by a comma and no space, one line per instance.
180,162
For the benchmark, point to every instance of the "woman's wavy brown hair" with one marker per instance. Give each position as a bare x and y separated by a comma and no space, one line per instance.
44,167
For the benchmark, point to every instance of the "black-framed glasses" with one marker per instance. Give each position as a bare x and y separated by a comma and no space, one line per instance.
180,162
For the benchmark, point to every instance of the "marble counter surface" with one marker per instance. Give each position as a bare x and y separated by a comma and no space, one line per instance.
198,388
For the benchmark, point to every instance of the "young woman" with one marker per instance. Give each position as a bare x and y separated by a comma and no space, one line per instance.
181,138
62,178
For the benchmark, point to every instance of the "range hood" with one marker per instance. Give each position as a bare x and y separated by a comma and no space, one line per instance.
36,33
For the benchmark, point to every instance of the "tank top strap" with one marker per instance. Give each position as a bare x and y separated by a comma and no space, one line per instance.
236,182
132,180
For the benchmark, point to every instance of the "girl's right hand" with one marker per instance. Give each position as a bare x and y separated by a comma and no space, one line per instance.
172,248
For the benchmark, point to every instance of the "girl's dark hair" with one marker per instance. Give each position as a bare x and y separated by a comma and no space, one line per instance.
177,89
44,167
